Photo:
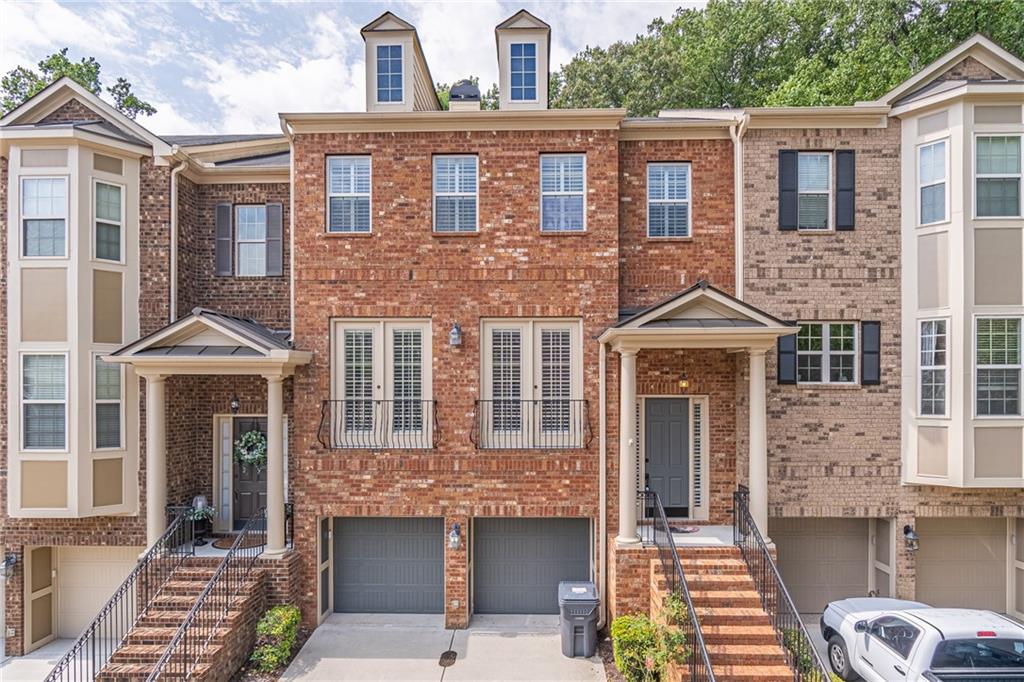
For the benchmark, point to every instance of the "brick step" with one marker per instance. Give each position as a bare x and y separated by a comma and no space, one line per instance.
173,617
708,552
746,654
124,672
151,653
727,615
753,673
739,634
177,602
165,633
732,566
735,598
719,581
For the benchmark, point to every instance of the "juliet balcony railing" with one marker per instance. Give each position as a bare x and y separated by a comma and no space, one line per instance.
546,424
402,423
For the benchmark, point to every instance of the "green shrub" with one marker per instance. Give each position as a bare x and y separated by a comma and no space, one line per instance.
643,649
803,657
275,637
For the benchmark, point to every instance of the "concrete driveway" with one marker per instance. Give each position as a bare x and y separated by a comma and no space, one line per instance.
36,665
350,647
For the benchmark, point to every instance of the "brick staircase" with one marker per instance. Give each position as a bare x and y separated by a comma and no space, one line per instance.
149,639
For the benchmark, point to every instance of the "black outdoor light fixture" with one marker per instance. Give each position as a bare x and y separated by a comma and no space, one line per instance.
911,538
455,335
7,567
455,537
236,404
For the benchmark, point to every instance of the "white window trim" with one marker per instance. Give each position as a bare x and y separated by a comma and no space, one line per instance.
922,367
328,196
376,73
536,69
22,402
120,224
22,217
976,366
239,241
688,201
540,166
826,354
830,217
921,186
475,195
107,401
977,175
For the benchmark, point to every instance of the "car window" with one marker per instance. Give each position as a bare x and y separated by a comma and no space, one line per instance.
979,653
897,634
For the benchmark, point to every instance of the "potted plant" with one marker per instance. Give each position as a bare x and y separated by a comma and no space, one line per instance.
201,515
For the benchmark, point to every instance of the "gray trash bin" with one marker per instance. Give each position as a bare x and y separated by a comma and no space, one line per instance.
578,603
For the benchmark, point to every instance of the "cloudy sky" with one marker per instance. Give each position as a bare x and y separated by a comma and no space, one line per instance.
213,66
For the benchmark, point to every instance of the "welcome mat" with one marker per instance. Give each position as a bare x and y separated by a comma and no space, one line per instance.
678,528
225,543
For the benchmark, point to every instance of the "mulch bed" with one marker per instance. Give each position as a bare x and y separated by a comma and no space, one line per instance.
249,673
604,650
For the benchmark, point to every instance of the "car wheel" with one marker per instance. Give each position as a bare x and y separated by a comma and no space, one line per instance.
839,659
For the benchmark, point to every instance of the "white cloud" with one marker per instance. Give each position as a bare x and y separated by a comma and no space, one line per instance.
458,39
169,121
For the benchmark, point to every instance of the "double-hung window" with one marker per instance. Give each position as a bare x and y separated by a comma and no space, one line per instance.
562,192
251,240
934,376
814,189
997,364
109,208
931,180
348,194
523,72
455,194
44,401
107,394
998,176
389,73
382,385
826,353
668,200
44,213
532,392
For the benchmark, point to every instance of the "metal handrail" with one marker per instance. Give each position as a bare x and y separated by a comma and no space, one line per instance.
184,653
367,424
801,655
545,424
129,603
658,533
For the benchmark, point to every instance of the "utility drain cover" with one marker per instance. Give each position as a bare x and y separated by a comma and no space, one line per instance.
447,659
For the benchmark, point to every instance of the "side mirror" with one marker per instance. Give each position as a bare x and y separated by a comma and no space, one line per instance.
860,626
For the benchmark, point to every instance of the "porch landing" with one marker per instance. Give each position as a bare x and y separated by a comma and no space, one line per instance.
705,536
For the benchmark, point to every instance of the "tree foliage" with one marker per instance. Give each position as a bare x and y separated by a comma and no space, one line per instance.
488,99
21,83
741,53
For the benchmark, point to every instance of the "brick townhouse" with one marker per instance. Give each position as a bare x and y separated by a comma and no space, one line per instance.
434,317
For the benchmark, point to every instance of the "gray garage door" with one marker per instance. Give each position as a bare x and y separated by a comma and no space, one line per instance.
518,563
388,565
961,563
821,559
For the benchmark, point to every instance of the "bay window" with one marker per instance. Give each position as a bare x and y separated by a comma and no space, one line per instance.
109,220
44,401
44,214
107,396
933,378
997,360
998,176
932,183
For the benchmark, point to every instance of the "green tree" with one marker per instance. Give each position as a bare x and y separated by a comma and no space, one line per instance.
488,99
21,83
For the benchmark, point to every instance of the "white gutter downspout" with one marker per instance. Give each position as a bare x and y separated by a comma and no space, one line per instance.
603,487
736,132
291,226
174,234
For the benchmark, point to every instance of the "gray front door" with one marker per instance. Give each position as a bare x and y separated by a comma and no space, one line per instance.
249,486
389,565
518,563
667,452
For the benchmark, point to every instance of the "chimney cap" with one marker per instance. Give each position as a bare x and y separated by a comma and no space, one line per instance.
464,91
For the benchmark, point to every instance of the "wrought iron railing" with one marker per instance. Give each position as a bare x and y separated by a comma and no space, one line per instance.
129,603
546,424
803,658
654,530
184,654
378,424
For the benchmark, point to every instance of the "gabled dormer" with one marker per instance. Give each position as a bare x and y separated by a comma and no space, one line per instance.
524,48
397,76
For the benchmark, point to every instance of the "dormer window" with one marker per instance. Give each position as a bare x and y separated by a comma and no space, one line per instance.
523,70
389,73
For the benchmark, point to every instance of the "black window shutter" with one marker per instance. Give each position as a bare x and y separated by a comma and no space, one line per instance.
275,254
224,241
870,353
788,198
787,359
846,184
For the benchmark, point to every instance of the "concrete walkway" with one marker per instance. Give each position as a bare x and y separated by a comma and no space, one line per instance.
36,665
358,647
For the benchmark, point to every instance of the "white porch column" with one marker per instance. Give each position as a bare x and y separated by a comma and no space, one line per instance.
758,443
627,460
275,465
156,458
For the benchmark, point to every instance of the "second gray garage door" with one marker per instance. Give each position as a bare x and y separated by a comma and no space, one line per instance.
962,563
821,559
388,565
518,563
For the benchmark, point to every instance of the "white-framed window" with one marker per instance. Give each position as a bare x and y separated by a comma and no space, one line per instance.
826,353
997,366
814,190
348,194
523,72
997,163
563,192
931,183
668,200
532,384
389,73
44,217
44,401
933,377
107,411
251,240
456,205
108,219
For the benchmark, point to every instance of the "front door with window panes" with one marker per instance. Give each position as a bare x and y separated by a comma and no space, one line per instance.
826,353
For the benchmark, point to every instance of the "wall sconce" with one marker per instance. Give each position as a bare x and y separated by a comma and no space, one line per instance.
235,403
7,567
684,383
455,335
911,539
455,537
